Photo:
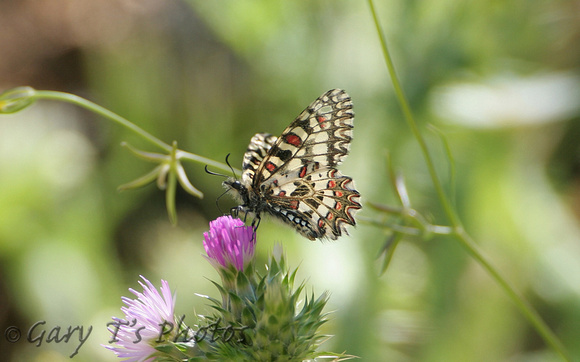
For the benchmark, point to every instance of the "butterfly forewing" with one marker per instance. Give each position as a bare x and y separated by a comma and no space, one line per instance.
321,133
294,176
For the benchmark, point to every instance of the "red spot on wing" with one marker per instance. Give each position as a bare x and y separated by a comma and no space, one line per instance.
270,166
320,119
331,184
282,193
338,193
302,172
329,216
321,223
294,204
338,205
293,140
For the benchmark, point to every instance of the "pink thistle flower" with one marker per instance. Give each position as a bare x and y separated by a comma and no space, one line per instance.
141,329
229,242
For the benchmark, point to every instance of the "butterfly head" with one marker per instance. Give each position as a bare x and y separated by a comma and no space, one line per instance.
237,189
241,193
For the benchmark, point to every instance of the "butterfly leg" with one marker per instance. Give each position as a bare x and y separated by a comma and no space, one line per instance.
256,222
234,211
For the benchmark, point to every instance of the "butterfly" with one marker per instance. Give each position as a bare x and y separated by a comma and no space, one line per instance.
294,177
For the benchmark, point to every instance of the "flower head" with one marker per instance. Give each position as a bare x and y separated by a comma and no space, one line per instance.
229,242
265,308
137,333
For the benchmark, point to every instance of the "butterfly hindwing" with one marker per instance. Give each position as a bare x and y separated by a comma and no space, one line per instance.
294,177
257,150
319,204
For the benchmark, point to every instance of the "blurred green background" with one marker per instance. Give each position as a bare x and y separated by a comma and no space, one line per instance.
500,78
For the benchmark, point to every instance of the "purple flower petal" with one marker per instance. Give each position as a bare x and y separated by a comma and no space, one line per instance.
229,242
143,317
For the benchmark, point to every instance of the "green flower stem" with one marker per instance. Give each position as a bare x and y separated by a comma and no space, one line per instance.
172,187
411,122
81,102
183,155
459,232
93,107
528,311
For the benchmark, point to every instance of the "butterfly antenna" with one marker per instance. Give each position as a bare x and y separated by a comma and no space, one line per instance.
221,175
214,173
230,166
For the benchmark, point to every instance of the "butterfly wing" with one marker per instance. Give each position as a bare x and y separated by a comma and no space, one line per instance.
297,177
321,204
321,133
258,148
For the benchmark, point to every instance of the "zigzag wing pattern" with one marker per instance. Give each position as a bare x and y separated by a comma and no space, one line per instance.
320,204
321,133
258,148
294,177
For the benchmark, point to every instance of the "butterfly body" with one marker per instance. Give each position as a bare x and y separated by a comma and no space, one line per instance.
294,177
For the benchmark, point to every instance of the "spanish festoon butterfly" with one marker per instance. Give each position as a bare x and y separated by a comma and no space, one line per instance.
294,177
